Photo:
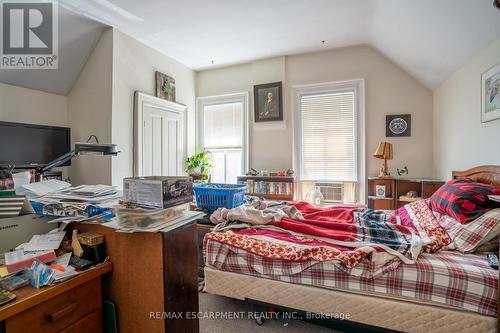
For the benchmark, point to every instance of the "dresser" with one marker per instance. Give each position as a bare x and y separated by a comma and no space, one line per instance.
391,193
72,306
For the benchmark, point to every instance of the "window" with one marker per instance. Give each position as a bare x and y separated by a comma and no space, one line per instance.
222,122
329,133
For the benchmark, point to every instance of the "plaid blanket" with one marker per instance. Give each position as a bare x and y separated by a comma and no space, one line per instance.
463,281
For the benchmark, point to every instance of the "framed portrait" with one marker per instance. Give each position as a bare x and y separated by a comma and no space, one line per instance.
397,125
490,94
268,102
165,86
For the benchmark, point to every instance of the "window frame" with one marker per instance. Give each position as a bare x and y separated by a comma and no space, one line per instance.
202,102
358,87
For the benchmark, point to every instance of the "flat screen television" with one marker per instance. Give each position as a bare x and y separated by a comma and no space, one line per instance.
29,145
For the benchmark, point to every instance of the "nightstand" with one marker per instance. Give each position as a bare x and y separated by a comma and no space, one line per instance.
390,193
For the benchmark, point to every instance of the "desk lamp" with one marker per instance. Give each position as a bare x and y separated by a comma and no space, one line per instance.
384,151
80,149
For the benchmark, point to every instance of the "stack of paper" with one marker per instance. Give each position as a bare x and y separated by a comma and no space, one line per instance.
85,194
68,271
50,241
34,190
157,226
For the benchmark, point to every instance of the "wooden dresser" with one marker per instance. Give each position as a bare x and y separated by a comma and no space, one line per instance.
72,306
396,189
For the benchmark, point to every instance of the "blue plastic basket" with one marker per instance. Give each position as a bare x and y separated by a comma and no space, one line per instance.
211,196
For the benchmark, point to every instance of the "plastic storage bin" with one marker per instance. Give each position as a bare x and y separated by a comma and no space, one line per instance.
211,196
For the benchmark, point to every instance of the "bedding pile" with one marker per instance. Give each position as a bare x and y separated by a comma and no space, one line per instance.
345,236
419,251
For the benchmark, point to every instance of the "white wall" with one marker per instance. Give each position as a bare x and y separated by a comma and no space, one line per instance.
89,112
388,90
461,141
134,66
24,105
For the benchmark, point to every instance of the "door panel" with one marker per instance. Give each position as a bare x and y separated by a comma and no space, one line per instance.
162,142
159,136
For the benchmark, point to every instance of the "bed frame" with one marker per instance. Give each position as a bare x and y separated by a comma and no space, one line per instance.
369,311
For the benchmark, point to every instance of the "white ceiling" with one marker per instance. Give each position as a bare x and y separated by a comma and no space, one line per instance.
77,38
428,38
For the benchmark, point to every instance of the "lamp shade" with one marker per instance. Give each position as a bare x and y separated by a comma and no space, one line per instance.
384,151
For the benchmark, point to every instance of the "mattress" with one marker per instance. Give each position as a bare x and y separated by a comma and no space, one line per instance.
366,309
448,279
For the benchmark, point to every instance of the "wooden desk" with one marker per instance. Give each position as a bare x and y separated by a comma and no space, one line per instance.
72,306
153,273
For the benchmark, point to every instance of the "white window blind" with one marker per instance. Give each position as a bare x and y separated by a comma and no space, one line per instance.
223,125
223,130
328,137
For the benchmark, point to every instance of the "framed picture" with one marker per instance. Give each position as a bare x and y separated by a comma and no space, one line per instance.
380,191
490,94
165,86
397,125
268,102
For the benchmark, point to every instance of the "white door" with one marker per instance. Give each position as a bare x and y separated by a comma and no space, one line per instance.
161,138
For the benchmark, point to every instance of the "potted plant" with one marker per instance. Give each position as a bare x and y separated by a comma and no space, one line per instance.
199,165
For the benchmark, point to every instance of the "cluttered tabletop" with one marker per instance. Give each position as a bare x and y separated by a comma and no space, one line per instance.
36,266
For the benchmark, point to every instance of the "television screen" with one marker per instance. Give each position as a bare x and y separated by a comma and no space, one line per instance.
28,145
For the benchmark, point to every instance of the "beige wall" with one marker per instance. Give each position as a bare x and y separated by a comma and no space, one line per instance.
134,66
461,141
89,112
32,106
388,90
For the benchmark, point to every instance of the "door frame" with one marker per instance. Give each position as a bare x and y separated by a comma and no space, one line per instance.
141,100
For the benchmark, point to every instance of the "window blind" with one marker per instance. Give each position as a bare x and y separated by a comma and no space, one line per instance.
328,137
223,125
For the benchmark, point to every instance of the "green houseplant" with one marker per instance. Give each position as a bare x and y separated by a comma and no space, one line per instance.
199,165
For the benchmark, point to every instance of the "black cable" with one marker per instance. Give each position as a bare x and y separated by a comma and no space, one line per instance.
93,136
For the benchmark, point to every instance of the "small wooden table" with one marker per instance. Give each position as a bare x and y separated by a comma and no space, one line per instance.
71,306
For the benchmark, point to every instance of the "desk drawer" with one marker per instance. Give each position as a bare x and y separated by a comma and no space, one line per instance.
58,312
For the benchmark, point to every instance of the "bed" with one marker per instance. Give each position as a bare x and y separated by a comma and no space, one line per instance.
443,292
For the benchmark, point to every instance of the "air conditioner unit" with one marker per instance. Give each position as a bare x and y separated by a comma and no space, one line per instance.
333,192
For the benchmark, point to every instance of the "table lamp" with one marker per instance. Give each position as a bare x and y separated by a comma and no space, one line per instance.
384,151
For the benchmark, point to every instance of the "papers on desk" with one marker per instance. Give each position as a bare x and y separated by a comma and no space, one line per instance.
35,190
85,194
188,215
50,241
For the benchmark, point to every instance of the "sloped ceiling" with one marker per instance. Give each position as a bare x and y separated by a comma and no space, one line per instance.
77,37
430,39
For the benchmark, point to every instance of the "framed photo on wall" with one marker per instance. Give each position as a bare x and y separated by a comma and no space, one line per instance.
397,125
165,86
490,94
268,102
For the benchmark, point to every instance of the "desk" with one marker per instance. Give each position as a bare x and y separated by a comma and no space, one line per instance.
71,306
153,273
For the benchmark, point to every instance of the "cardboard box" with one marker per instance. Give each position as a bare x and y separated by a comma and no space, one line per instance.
158,191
